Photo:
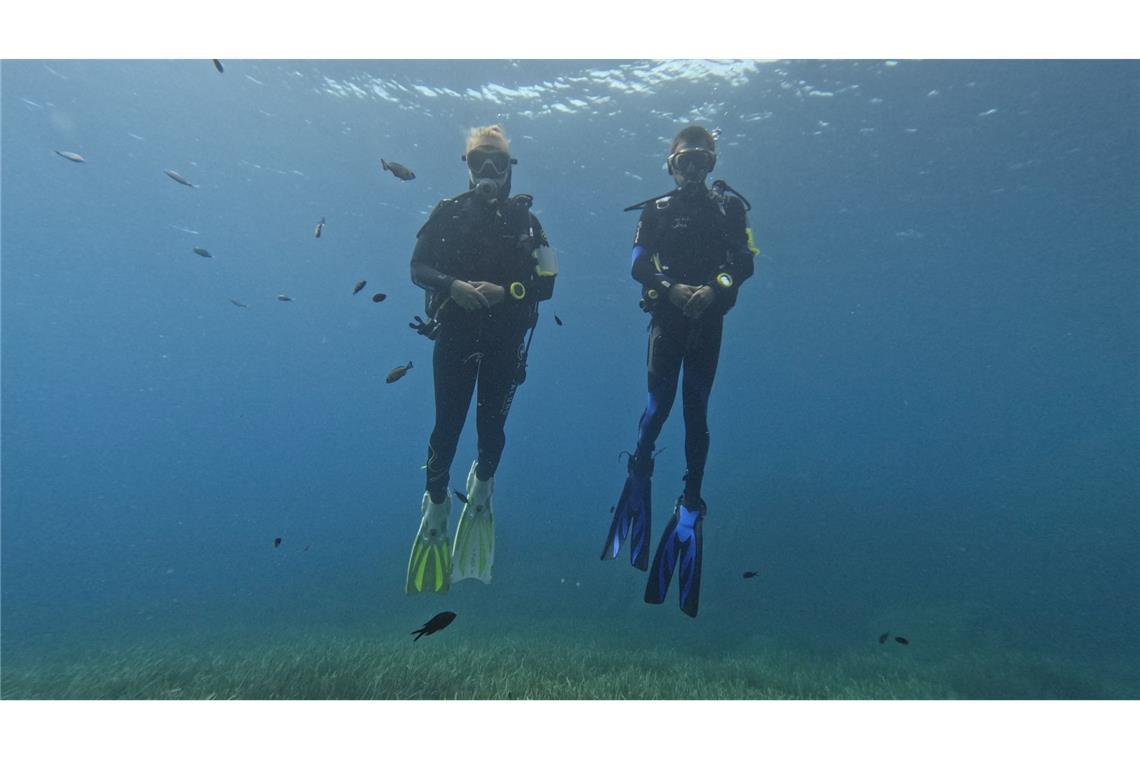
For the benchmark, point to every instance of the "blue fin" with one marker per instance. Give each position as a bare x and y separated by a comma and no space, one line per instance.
680,547
631,521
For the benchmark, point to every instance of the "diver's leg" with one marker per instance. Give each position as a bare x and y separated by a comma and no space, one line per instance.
454,369
663,360
680,545
633,511
499,375
701,360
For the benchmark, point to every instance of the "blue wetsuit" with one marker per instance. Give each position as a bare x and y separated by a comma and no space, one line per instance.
692,240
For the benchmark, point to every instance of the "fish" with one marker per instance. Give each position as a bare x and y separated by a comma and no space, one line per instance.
437,623
202,252
320,226
276,542
359,286
306,547
612,508
459,495
238,303
283,297
901,640
398,372
71,156
557,321
218,65
178,178
750,573
399,170
378,297
883,637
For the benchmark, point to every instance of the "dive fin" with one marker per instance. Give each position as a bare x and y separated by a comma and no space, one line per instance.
679,549
429,566
474,550
632,516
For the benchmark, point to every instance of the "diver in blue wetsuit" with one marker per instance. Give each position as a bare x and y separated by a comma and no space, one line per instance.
691,252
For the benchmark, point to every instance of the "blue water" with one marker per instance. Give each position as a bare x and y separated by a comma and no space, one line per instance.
924,419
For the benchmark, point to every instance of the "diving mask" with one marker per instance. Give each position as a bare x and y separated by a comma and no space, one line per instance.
489,163
692,162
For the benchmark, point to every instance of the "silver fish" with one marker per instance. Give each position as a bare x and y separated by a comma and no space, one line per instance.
203,252
71,156
218,65
238,303
178,177
283,297
320,227
359,286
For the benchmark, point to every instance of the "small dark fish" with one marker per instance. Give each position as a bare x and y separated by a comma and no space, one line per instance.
306,547
218,65
276,542
238,303
883,637
283,297
459,496
178,177
399,170
557,321
397,373
378,297
612,508
750,573
437,623
359,286
202,252
71,156
901,640
320,226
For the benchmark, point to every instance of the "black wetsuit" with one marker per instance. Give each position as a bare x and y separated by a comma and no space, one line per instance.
687,239
468,240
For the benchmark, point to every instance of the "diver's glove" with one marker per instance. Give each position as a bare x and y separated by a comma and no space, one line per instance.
429,329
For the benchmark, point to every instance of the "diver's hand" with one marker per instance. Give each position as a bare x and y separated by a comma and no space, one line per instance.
700,300
495,294
680,294
468,296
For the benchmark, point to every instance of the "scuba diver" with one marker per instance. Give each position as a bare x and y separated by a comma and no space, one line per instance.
485,263
691,252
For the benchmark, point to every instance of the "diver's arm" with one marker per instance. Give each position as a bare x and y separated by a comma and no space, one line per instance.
535,276
645,271
644,268
545,265
424,273
738,264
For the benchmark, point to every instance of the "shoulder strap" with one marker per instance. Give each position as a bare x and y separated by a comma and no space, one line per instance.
655,199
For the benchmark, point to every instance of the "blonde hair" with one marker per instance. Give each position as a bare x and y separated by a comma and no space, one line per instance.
491,137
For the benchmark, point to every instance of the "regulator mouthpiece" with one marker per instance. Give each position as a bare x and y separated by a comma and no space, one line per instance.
487,189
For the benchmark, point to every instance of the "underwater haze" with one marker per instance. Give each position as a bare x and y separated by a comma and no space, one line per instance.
924,422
